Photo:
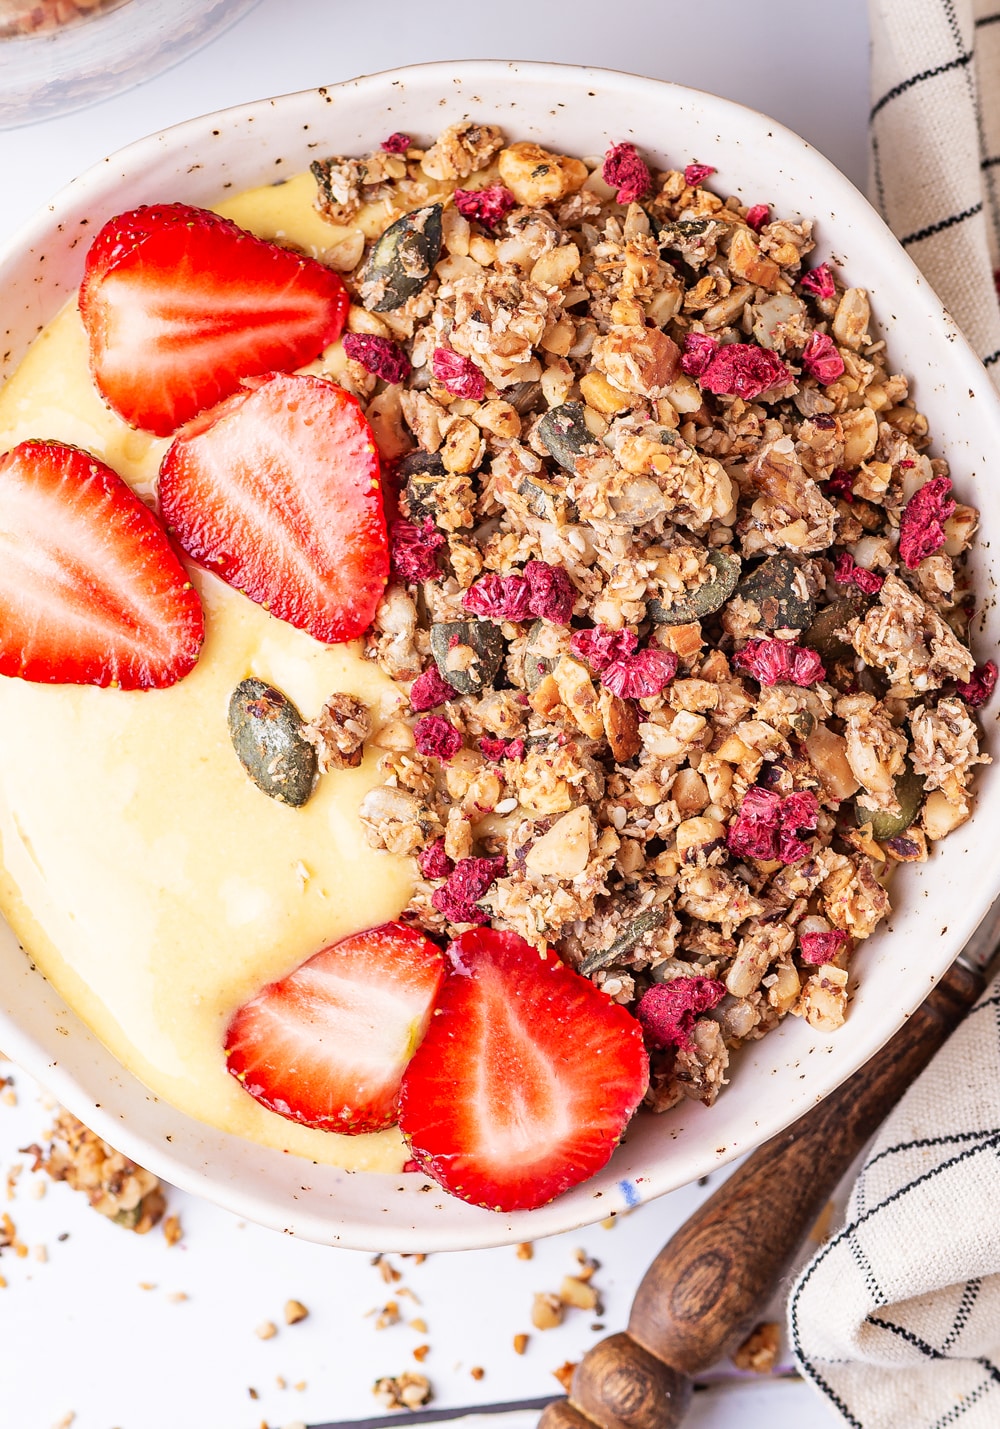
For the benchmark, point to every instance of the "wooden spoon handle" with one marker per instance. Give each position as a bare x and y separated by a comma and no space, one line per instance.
712,1281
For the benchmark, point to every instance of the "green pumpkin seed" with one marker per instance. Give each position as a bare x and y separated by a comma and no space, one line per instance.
540,654
564,434
266,730
706,600
777,588
403,258
546,501
481,636
909,791
822,633
642,924
421,473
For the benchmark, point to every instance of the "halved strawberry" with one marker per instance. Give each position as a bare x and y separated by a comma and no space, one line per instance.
180,304
327,1045
277,490
525,1080
91,592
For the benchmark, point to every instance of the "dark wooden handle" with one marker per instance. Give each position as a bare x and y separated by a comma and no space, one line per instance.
711,1282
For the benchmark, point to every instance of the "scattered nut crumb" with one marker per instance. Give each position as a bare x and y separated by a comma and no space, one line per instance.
267,1330
388,1315
759,1351
253,1393
520,1344
564,1374
40,1253
477,1371
294,1312
419,1324
403,1391
546,1311
421,1353
525,1250
576,1292
65,1421
387,1270
609,1223
172,1231
281,1381
115,1186
147,1284
177,1297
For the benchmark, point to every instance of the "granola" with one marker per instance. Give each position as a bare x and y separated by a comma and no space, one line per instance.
679,597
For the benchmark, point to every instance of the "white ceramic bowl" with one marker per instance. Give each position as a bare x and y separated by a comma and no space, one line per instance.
938,904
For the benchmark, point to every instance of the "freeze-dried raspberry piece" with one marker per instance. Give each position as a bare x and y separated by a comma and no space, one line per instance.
819,282
847,572
667,1010
434,862
768,826
771,662
499,598
468,881
635,677
429,690
459,375
495,748
821,359
380,355
840,484
397,143
799,814
757,216
742,370
754,831
600,647
694,173
486,206
624,170
699,349
921,527
980,685
552,592
413,548
816,948
436,736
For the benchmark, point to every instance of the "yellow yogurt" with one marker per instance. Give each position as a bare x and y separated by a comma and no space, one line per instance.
151,882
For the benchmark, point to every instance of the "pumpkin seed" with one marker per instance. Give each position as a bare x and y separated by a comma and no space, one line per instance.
541,653
421,473
546,501
403,258
777,588
468,674
266,730
822,633
564,434
909,791
633,932
707,599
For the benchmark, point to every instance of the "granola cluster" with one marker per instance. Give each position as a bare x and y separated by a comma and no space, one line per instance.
679,597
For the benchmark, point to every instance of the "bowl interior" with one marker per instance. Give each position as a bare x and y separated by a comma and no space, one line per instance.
937,905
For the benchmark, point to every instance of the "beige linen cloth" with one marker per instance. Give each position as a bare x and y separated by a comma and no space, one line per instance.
897,1319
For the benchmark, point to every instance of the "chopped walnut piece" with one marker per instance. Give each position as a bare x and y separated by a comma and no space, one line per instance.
339,731
759,1351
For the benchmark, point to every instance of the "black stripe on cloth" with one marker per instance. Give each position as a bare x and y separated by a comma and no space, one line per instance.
928,1350
991,162
864,1265
970,84
965,1306
993,357
921,1142
905,84
985,20
877,174
968,1402
944,223
793,1308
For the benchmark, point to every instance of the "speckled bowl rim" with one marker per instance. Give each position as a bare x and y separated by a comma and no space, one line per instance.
940,903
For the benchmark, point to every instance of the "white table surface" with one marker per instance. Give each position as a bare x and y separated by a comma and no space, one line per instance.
78,1332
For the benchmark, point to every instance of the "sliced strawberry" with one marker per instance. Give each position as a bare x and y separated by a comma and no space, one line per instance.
526,1077
91,592
327,1045
277,490
180,304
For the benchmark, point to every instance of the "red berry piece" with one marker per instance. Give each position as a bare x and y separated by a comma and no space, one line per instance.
327,1045
525,1080
277,491
91,591
180,305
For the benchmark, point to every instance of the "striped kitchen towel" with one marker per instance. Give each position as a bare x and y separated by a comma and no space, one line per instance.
935,151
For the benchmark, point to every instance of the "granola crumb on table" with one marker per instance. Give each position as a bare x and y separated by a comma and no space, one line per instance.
115,1186
679,596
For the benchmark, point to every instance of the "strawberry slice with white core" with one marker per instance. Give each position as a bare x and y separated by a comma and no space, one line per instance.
91,591
277,490
180,305
327,1045
525,1080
